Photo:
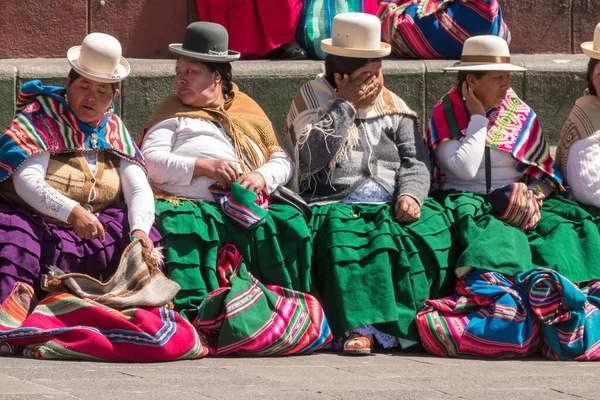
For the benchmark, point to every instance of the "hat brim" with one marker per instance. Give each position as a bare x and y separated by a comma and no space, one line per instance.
384,50
177,49
123,69
588,50
466,66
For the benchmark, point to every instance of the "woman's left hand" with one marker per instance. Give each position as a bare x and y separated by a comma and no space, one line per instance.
147,244
407,209
252,181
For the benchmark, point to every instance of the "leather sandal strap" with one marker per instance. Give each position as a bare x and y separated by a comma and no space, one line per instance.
365,340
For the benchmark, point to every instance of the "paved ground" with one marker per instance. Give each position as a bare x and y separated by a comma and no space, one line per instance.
319,376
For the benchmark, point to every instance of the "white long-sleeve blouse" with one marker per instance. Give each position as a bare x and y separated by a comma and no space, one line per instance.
30,185
172,146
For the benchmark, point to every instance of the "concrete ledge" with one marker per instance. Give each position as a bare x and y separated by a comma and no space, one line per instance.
8,84
550,86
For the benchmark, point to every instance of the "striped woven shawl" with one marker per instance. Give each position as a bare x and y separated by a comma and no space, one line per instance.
513,127
569,315
308,107
437,29
241,117
126,318
583,122
45,123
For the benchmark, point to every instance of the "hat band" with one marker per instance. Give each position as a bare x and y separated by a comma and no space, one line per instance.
210,52
486,59
114,74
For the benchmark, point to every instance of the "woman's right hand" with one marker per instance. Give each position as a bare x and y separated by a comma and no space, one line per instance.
223,172
359,91
85,224
473,103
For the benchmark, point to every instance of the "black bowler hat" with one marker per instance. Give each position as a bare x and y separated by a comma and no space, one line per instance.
205,41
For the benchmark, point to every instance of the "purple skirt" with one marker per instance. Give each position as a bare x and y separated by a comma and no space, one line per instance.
28,245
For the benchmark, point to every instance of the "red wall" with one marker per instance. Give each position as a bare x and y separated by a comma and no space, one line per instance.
48,28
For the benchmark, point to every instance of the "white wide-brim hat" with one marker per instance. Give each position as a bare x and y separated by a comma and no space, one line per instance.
485,53
592,49
99,59
356,35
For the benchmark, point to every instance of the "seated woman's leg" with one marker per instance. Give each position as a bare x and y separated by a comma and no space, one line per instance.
277,252
367,270
486,242
191,233
67,251
21,236
567,239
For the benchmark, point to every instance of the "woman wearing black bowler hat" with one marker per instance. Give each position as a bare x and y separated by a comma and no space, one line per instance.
210,134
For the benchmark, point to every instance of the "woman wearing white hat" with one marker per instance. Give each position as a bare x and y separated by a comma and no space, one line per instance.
489,155
475,115
67,163
579,143
363,166
484,140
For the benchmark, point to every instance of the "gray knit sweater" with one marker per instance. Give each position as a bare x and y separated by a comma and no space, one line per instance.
390,150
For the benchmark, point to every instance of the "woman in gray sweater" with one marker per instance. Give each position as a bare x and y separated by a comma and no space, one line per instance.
362,165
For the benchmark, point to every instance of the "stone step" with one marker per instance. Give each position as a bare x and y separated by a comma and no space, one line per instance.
551,85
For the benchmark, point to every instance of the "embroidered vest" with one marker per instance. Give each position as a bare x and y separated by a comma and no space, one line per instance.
70,175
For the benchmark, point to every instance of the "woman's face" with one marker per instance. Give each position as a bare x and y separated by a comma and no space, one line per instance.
196,86
89,99
373,69
491,88
596,78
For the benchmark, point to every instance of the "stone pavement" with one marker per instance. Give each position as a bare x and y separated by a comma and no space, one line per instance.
320,376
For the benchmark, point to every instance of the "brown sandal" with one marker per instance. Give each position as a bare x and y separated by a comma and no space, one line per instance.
357,344
8,348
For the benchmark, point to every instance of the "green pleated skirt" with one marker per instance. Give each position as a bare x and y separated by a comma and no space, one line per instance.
277,252
567,239
370,270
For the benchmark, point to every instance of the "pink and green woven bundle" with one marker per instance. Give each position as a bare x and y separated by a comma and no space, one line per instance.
63,326
246,317
487,317
516,205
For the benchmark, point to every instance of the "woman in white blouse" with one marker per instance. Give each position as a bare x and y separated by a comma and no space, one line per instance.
490,156
482,111
482,114
209,136
491,162
578,148
68,163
